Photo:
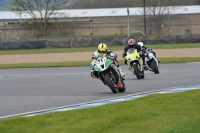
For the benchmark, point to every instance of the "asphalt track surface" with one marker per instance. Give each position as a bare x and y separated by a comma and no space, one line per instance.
33,89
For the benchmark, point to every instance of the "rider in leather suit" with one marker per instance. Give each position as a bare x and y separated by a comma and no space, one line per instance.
102,50
146,48
132,44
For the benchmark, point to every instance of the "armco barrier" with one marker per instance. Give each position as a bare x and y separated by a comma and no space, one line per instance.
11,45
81,42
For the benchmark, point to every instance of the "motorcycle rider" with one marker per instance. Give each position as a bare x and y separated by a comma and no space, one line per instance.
146,48
132,44
101,52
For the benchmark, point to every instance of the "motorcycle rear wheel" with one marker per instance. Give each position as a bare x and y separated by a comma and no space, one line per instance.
110,83
122,89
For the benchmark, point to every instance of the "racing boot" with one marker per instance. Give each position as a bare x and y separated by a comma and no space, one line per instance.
121,72
129,68
145,68
94,75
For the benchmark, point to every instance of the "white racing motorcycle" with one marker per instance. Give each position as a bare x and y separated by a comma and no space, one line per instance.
152,64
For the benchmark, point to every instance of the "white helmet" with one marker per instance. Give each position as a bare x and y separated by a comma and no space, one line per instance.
141,44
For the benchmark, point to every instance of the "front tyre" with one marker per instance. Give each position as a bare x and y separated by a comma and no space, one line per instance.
154,67
142,74
110,83
136,71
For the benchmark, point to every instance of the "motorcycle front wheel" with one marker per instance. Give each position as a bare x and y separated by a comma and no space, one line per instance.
142,75
136,71
110,83
154,67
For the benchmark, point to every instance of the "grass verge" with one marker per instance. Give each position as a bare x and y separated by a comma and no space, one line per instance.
158,113
87,63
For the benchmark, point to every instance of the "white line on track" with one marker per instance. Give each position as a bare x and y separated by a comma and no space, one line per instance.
105,101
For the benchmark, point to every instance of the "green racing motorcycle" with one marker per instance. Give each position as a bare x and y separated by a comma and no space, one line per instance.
109,74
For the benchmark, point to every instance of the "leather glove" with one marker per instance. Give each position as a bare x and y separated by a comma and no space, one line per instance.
92,66
112,57
143,50
141,53
149,49
124,54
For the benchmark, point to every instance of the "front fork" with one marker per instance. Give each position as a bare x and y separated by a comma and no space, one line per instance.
111,75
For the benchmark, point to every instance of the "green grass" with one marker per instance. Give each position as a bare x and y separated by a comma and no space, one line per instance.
174,46
41,65
158,113
179,60
87,63
47,50
85,49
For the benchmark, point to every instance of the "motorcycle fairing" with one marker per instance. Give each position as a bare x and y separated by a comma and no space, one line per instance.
102,64
133,57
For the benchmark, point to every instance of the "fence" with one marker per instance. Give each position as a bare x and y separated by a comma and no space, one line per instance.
65,43
171,26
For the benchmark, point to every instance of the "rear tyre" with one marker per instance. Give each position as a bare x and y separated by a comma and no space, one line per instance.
110,83
136,71
122,89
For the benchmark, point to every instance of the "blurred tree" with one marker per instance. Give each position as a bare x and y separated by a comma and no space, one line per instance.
40,10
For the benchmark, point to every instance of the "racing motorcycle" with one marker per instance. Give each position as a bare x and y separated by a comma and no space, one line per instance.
109,74
135,63
151,62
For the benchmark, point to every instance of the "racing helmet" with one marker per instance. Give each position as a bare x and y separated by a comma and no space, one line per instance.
131,43
102,48
141,44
